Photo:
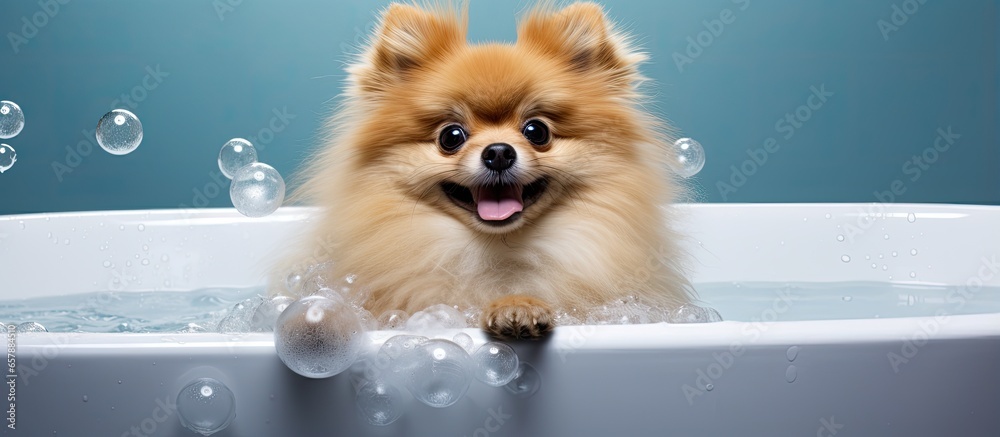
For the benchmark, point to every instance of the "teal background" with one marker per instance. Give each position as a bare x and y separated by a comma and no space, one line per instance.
230,64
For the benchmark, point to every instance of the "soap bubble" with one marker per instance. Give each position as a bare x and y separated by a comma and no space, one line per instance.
266,314
238,319
236,154
436,317
399,345
206,406
318,337
379,403
565,318
440,372
496,364
464,340
11,120
257,190
314,278
119,132
690,157
526,383
293,282
689,313
30,327
472,316
8,156
393,320
389,358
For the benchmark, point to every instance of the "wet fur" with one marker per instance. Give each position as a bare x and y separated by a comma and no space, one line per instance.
598,233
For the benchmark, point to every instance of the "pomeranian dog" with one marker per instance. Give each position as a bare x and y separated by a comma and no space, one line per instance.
518,179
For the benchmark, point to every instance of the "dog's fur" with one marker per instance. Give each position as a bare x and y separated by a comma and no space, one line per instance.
596,234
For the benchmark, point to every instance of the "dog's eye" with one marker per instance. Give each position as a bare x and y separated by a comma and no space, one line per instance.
452,137
536,132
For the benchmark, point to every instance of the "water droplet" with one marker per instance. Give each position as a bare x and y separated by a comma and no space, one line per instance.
828,215
791,373
165,258
119,132
895,254
236,154
874,266
911,217
805,219
848,298
11,119
845,258
257,190
119,381
913,274
107,263
867,257
885,237
85,398
792,353
8,156
885,267
690,157
141,227
709,387
840,238
145,262
913,252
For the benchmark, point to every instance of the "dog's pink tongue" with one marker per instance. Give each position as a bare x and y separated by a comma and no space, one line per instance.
499,204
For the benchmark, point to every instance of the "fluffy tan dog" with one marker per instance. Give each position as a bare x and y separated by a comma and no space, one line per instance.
519,179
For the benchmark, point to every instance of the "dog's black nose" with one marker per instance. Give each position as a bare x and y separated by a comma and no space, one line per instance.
499,156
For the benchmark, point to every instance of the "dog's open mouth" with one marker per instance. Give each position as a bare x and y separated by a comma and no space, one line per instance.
496,205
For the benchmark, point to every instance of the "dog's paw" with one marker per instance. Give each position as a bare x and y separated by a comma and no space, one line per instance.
518,317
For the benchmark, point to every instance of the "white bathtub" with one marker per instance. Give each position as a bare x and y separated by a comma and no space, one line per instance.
912,376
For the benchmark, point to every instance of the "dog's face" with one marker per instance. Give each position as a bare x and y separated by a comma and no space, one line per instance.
498,136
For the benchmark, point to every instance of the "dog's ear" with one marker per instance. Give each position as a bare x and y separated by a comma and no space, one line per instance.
582,35
408,38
